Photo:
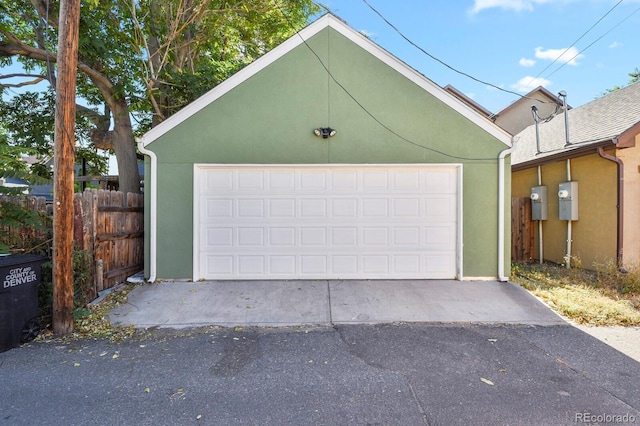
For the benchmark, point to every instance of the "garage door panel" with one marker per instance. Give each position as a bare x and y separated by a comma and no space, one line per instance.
313,208
406,207
217,181
218,208
288,222
406,180
280,179
218,237
344,208
282,207
251,265
440,181
407,263
345,265
218,265
344,181
251,237
282,265
344,237
316,179
375,207
313,265
282,237
375,236
438,265
375,179
313,237
439,238
250,180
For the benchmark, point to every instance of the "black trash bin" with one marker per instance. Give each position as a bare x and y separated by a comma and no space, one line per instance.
19,280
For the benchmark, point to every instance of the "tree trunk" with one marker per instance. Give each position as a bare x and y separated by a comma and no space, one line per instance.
64,167
124,145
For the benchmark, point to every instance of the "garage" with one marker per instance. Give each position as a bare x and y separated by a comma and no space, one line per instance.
326,222
294,168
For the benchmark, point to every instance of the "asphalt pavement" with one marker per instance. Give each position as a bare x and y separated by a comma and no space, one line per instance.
385,374
357,353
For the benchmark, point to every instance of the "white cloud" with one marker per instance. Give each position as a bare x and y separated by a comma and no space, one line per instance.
528,83
569,56
527,63
614,45
515,5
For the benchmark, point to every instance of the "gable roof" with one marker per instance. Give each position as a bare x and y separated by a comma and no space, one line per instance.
527,98
602,121
326,21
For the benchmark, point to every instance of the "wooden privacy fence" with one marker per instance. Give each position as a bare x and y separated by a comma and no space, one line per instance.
522,230
110,224
25,237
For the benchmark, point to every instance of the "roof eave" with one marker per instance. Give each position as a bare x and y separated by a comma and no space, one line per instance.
566,154
627,139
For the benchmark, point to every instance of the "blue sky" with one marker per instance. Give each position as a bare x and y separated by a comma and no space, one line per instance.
509,43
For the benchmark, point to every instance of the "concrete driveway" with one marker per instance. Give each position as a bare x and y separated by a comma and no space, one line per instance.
330,302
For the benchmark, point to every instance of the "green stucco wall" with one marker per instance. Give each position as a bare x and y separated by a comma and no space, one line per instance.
269,118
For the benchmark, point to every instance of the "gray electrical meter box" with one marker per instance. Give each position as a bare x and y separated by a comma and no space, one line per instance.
539,203
568,200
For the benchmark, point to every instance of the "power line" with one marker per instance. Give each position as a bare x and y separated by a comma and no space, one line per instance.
411,42
595,41
575,42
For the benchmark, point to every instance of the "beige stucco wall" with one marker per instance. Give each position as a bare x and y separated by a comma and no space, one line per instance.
631,206
594,239
518,116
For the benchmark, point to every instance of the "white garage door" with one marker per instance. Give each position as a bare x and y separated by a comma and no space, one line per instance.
326,222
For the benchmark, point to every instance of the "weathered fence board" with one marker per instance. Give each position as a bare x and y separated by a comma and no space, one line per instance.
23,238
522,230
117,234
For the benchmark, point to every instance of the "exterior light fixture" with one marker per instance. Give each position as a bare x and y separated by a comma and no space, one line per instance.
325,132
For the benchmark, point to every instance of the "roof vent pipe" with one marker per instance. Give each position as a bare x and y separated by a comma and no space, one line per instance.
563,95
536,118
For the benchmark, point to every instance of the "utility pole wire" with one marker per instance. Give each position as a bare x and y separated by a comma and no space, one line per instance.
574,43
411,42
594,42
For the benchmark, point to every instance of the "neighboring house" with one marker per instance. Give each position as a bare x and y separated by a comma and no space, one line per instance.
108,182
518,115
11,182
327,158
602,159
467,100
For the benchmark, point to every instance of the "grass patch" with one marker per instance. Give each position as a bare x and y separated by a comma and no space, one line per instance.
606,297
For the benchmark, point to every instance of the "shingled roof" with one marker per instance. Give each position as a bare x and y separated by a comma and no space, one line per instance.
601,121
